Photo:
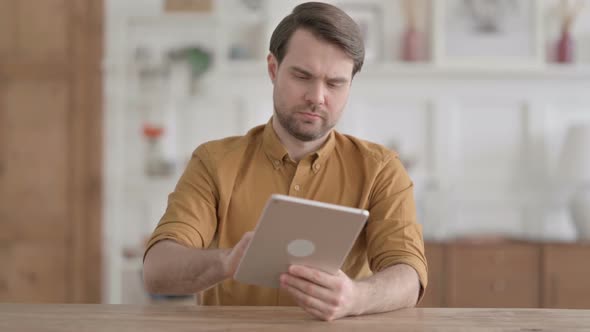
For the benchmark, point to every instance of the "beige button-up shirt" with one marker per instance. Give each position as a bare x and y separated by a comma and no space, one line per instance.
227,182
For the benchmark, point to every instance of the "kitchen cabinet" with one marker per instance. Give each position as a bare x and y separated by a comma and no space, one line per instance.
434,294
508,274
566,276
495,275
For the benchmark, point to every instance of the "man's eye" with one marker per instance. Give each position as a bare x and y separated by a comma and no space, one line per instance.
301,77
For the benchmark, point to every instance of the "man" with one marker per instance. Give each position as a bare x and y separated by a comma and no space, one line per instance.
314,54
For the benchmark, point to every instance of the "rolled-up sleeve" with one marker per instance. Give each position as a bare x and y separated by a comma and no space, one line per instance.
190,217
393,234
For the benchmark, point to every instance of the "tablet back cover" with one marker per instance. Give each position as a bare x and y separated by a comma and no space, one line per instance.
297,231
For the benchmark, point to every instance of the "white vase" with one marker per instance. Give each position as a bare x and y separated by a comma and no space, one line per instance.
580,208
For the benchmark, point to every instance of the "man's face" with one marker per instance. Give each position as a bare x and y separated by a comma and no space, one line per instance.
311,86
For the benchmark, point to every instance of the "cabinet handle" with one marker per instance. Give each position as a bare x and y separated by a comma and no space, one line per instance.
498,286
3,285
553,291
498,258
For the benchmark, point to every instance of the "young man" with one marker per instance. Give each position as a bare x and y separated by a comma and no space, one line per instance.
314,54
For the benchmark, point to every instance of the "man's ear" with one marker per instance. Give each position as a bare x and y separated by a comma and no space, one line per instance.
273,67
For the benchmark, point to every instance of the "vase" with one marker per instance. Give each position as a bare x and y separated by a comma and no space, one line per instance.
565,47
411,45
580,209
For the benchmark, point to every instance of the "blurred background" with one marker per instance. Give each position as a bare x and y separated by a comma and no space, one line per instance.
487,102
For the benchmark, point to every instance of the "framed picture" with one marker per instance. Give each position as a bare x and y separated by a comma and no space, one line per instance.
488,33
368,17
200,6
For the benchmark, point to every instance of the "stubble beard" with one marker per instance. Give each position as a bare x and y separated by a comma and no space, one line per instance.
296,127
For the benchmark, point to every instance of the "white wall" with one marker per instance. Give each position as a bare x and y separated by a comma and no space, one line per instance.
486,143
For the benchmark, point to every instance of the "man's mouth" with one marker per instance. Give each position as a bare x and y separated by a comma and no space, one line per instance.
313,115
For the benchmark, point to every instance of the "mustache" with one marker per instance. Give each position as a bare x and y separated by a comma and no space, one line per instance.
315,109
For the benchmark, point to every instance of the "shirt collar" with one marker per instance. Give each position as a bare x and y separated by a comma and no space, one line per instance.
276,152
324,151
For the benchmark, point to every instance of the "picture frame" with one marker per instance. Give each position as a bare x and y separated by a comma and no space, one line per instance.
188,6
368,17
497,34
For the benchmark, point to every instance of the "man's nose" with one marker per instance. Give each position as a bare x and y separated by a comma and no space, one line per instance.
315,93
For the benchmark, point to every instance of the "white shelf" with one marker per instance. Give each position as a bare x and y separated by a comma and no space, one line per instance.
167,20
244,67
429,70
566,71
440,71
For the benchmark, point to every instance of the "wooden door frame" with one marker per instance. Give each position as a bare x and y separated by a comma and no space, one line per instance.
81,68
86,23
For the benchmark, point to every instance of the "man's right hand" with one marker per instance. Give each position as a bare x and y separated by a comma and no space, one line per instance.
234,255
192,270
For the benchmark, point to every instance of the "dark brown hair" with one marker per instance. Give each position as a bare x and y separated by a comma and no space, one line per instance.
326,22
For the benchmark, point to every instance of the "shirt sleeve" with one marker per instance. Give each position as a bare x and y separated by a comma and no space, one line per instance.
393,234
190,218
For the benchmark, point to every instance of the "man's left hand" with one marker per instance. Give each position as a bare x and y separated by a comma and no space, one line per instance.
323,295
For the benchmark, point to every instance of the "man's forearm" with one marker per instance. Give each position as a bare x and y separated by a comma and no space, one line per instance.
396,287
170,268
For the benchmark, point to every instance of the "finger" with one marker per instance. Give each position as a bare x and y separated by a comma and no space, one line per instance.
316,276
247,237
308,302
309,288
244,241
340,273
318,314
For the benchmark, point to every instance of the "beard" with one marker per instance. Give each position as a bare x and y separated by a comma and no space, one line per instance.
301,129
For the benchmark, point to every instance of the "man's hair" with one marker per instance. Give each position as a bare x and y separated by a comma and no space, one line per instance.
325,22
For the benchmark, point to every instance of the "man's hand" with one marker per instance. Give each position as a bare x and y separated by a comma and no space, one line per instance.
234,255
323,295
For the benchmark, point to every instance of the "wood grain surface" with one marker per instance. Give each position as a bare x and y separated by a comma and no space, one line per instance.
122,318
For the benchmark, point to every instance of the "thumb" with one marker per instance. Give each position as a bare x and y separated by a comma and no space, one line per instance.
245,240
238,251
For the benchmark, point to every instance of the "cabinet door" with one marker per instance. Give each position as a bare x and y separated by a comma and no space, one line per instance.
433,297
34,190
50,114
7,28
494,275
566,276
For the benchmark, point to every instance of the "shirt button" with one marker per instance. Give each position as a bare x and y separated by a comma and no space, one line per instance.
297,187
316,167
277,163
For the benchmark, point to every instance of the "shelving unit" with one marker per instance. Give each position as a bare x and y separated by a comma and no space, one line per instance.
428,70
235,93
238,39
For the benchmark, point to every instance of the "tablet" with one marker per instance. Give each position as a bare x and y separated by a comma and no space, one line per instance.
298,231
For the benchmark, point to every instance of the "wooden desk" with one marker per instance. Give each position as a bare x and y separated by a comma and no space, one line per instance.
122,318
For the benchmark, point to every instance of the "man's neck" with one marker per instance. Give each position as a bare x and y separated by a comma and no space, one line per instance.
296,148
